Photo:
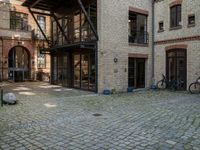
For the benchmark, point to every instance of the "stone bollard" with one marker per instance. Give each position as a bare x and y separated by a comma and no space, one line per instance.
9,98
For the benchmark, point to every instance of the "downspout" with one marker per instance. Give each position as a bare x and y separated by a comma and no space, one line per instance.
96,56
96,65
2,63
153,44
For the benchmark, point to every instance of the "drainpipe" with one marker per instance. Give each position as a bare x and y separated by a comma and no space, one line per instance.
153,45
2,59
97,69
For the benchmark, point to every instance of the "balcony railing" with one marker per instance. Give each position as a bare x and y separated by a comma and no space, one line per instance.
139,37
75,36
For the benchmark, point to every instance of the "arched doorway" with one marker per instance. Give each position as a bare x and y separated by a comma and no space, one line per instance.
176,67
19,64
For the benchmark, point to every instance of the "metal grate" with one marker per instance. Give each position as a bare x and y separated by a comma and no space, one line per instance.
97,115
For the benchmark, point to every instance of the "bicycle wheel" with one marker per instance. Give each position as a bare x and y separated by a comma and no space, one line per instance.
194,88
161,84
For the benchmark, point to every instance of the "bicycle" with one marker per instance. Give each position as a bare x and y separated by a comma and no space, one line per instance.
194,88
166,84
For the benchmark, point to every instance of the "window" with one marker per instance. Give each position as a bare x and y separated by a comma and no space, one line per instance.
175,16
191,20
161,26
138,28
18,21
42,22
77,23
54,32
41,60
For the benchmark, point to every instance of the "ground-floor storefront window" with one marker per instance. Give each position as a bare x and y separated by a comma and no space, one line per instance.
74,69
84,71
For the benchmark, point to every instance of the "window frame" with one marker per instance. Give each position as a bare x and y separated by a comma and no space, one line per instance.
43,27
39,64
176,16
159,26
145,32
191,24
21,18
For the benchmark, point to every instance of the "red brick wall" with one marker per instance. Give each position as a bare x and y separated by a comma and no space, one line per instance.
9,44
25,40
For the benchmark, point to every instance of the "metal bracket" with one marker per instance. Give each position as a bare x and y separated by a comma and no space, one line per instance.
32,13
60,27
88,19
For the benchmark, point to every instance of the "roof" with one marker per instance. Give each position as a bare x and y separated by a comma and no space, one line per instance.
56,6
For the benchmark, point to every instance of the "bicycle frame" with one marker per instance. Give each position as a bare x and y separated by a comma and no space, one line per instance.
173,84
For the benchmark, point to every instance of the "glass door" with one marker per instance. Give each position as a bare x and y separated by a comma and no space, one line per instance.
140,65
60,69
54,70
176,67
136,73
77,71
19,64
131,72
65,71
85,71
92,72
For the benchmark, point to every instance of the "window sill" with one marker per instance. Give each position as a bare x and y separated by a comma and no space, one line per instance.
139,45
191,25
15,30
175,28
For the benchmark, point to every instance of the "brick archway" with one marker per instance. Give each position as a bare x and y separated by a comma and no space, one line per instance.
9,44
19,64
176,65
176,2
176,46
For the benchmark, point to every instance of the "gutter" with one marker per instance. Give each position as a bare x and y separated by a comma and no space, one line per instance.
153,44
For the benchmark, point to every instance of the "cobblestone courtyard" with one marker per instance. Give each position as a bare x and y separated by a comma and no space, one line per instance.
51,117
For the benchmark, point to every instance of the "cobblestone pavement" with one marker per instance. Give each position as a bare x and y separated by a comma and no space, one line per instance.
51,117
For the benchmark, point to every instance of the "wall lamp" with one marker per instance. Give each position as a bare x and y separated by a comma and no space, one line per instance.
115,60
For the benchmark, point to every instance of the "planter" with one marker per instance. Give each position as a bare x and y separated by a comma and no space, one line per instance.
106,92
130,89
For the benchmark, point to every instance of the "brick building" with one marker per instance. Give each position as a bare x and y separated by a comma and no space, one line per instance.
20,40
177,40
109,44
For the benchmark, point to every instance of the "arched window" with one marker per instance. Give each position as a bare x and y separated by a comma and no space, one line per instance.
175,16
19,64
176,66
